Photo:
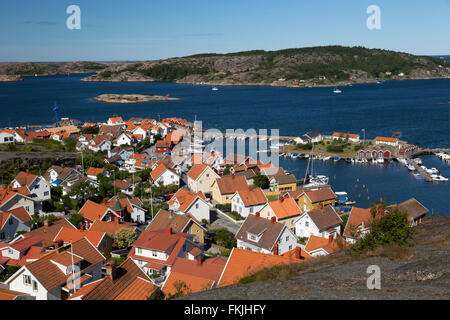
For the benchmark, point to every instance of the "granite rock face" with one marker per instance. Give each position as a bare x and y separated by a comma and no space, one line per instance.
423,274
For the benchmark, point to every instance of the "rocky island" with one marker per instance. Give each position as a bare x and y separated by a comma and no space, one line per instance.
132,98
10,78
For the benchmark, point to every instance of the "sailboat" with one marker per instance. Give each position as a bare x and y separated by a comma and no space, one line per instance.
314,180
336,90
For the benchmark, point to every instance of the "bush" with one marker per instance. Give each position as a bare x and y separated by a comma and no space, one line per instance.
224,238
335,148
391,228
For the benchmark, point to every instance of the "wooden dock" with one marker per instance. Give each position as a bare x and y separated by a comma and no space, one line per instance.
425,175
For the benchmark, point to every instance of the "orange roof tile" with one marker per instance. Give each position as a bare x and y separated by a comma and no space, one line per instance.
358,218
284,208
94,211
71,235
315,243
252,197
386,139
231,184
242,263
196,170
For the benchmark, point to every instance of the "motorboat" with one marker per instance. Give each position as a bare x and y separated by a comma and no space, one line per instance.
439,178
215,89
348,160
380,160
326,158
336,90
335,159
411,167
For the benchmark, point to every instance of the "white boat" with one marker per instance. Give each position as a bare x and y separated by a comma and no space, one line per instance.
411,167
326,158
314,180
439,178
336,90
215,89
380,160
341,193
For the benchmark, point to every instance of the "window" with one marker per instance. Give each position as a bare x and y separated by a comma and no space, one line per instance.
287,238
11,221
251,209
26,280
139,250
207,175
154,253
196,206
2,235
46,193
35,286
290,247
27,208
306,224
10,251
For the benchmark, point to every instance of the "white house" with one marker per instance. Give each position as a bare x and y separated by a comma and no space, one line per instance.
13,221
265,235
318,246
352,137
36,185
322,222
164,176
6,137
184,202
47,277
247,202
126,138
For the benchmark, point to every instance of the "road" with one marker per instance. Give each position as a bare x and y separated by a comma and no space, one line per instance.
221,222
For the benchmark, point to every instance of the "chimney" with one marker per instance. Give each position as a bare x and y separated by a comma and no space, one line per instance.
281,199
46,223
298,253
105,201
232,176
28,172
330,238
169,231
321,206
199,261
257,214
273,220
275,249
111,270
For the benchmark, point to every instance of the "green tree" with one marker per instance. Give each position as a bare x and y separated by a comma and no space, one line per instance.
70,144
261,181
124,238
227,170
83,191
76,219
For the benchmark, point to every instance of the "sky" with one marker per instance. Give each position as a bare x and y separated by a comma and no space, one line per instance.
133,30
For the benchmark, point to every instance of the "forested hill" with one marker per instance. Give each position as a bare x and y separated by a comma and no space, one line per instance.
328,65
308,66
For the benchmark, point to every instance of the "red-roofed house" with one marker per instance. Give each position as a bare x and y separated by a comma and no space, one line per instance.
21,251
248,201
284,210
184,202
162,175
197,275
387,141
36,185
92,212
318,246
343,136
156,251
200,178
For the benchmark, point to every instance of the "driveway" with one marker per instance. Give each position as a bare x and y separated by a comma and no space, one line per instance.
218,221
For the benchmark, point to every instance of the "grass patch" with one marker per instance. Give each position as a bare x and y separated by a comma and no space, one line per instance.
444,243
276,273
392,252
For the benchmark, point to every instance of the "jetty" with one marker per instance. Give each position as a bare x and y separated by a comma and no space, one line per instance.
425,175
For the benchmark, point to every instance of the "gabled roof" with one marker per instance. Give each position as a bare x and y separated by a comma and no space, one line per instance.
94,211
164,219
319,195
330,246
231,184
345,135
252,197
25,243
413,207
242,263
19,213
48,273
185,198
325,217
285,208
359,218
285,178
49,233
131,283
6,294
94,171
386,139
196,170
109,227
71,235
25,178
197,276
159,170
268,230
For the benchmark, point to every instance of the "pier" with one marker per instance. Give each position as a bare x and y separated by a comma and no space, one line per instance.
425,175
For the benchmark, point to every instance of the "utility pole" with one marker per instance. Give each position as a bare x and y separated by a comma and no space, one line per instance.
151,201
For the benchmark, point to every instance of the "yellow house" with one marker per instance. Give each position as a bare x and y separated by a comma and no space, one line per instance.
224,188
200,178
185,223
285,210
313,199
283,183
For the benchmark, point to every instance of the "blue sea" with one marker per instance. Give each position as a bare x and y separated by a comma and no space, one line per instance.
419,109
